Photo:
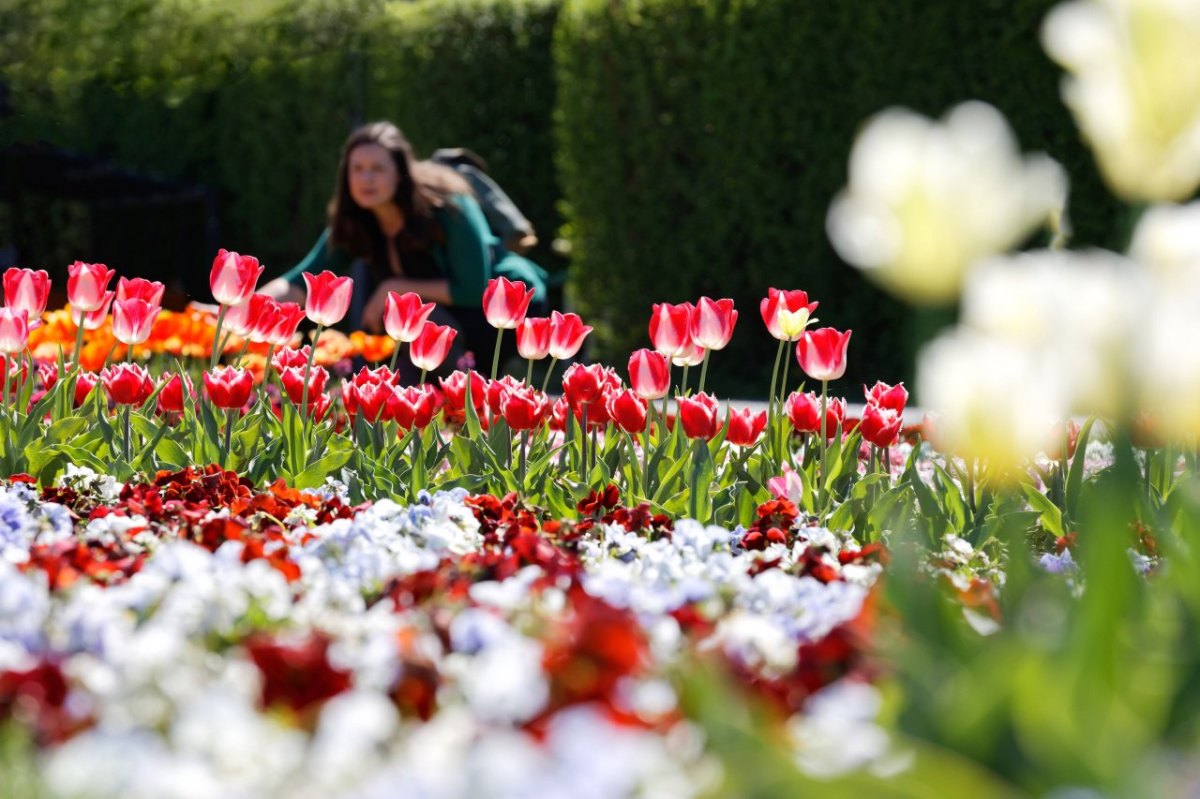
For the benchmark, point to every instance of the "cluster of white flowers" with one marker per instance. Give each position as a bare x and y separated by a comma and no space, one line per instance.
163,676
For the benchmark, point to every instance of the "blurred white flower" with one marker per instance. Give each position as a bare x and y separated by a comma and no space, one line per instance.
1134,88
995,398
1078,310
1167,242
1168,362
926,199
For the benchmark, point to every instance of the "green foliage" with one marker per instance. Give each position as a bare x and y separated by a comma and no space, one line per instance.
700,144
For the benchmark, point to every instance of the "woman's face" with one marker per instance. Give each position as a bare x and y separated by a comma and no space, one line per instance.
372,175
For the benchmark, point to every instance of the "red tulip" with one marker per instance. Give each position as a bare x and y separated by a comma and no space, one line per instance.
84,385
48,373
228,387
497,389
835,415
126,383
805,411
429,349
264,316
414,406
454,389
893,397
671,328
649,374
87,286
746,427
505,302
133,319
558,415
822,353
583,384
404,315
712,323
283,327
238,320
533,338
149,290
175,394
287,356
880,426
14,330
790,301
27,290
567,332
627,410
328,297
524,408
233,277
379,376
292,378
368,399
92,320
698,415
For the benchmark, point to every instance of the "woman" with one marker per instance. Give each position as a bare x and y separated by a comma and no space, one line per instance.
398,224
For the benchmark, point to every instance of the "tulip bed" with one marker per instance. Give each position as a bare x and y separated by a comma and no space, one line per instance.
464,586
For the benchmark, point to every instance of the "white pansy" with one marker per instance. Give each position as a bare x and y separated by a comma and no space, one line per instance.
926,199
1133,85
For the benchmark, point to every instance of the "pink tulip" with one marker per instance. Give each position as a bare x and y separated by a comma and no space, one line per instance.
429,349
533,338
283,327
791,301
233,277
14,330
627,410
567,332
671,328
649,374
228,387
126,384
133,319
691,355
822,353
524,408
805,411
712,323
893,397
698,415
149,290
27,290
583,384
404,315
87,286
746,427
880,426
505,302
328,297
92,320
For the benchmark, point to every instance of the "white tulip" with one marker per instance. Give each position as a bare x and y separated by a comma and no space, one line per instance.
926,199
1134,88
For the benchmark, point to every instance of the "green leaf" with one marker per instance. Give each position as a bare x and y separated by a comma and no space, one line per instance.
315,474
1050,514
1075,473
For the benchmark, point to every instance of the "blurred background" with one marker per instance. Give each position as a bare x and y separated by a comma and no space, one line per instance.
664,149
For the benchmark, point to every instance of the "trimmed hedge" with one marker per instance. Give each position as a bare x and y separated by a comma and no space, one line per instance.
701,142
257,102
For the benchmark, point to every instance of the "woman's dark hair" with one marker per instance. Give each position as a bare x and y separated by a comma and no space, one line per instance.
422,187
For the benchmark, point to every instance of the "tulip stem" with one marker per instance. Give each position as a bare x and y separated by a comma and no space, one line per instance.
216,350
496,353
683,381
703,371
228,437
529,373
646,464
523,455
583,439
550,371
78,343
312,354
774,439
395,354
823,486
422,377
128,434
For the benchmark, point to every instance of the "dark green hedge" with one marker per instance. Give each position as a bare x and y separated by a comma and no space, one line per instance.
701,142
256,103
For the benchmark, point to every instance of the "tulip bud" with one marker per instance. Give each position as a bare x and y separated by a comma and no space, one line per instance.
429,349
27,290
139,288
404,315
880,426
228,387
627,410
524,408
126,383
506,302
567,332
698,415
14,330
133,320
670,328
328,297
649,374
790,309
805,411
87,286
746,427
712,323
533,338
